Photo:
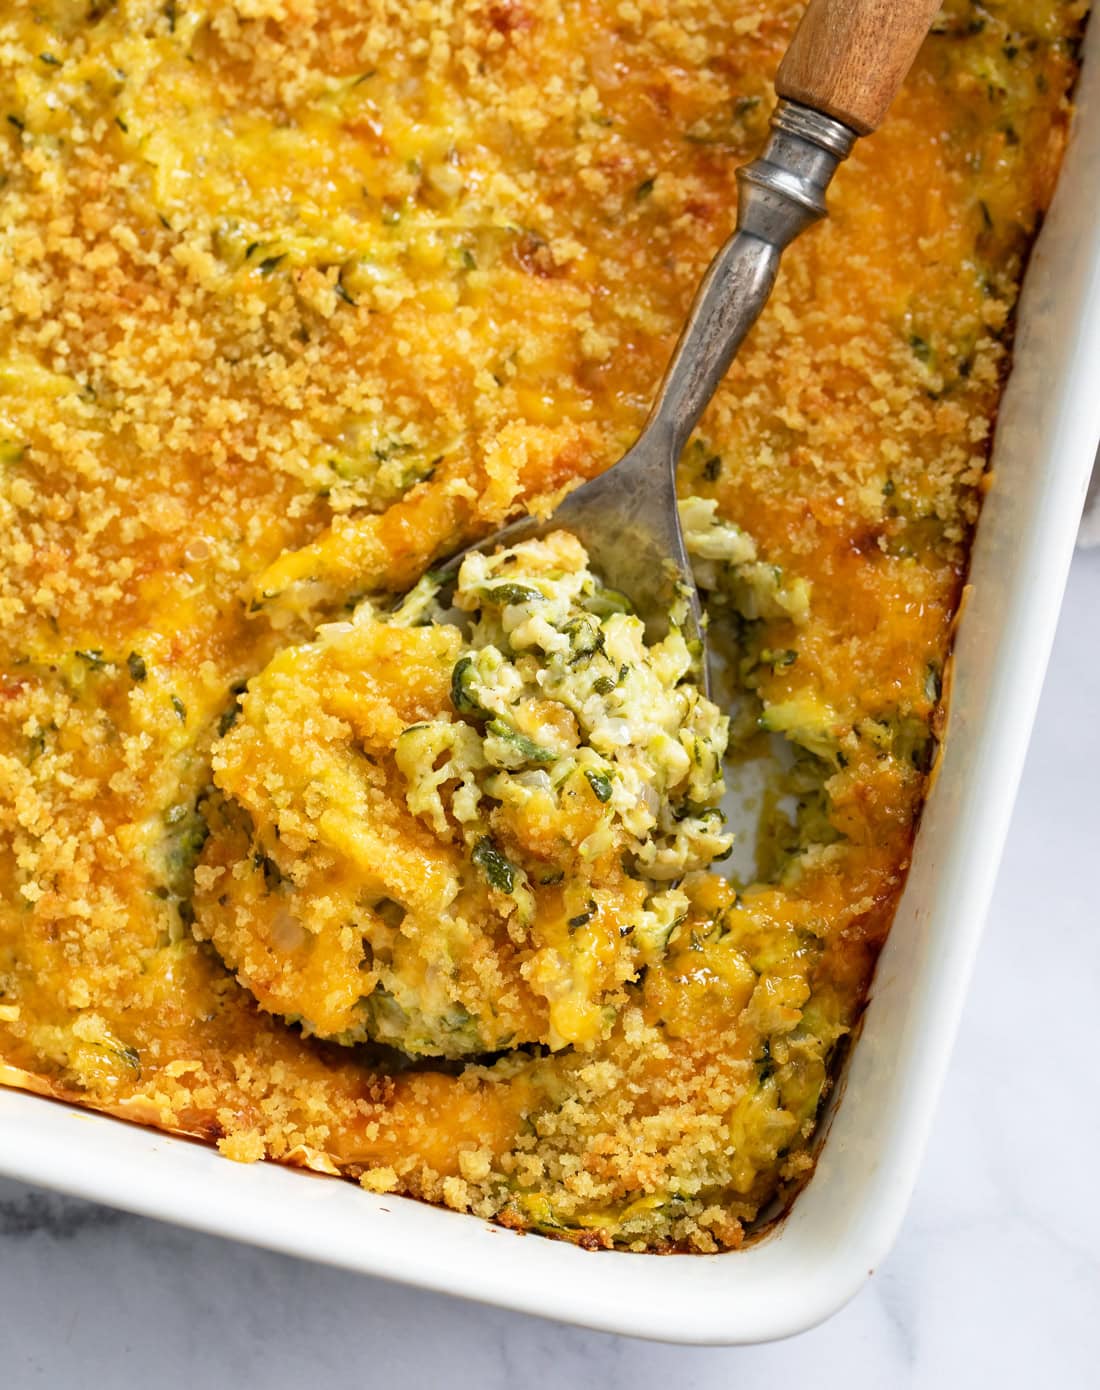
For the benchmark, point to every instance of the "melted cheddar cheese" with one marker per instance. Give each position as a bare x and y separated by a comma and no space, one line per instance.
297,298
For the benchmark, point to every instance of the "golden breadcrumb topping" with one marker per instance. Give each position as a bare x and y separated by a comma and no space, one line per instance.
295,300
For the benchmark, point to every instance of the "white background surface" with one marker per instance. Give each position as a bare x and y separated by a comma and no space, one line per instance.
994,1281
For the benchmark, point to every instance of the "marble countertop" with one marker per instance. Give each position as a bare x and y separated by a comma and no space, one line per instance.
994,1280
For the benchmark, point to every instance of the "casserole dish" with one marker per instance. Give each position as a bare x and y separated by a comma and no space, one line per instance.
844,1222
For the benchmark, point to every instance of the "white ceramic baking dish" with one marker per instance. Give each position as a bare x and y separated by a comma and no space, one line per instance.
845,1221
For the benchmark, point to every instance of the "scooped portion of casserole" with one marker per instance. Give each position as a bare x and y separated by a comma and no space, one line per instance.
463,831
310,859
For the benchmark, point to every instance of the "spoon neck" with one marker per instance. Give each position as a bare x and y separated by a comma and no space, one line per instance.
781,193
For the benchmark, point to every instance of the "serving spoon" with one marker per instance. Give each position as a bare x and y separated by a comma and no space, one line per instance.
836,81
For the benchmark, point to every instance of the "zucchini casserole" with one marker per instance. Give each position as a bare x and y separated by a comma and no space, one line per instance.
465,890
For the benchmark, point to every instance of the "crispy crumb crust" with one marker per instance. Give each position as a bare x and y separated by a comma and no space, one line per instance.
296,298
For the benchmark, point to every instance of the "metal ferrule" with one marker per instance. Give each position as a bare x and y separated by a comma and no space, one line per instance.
783,190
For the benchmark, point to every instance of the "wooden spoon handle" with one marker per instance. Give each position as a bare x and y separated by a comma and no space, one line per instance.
849,57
